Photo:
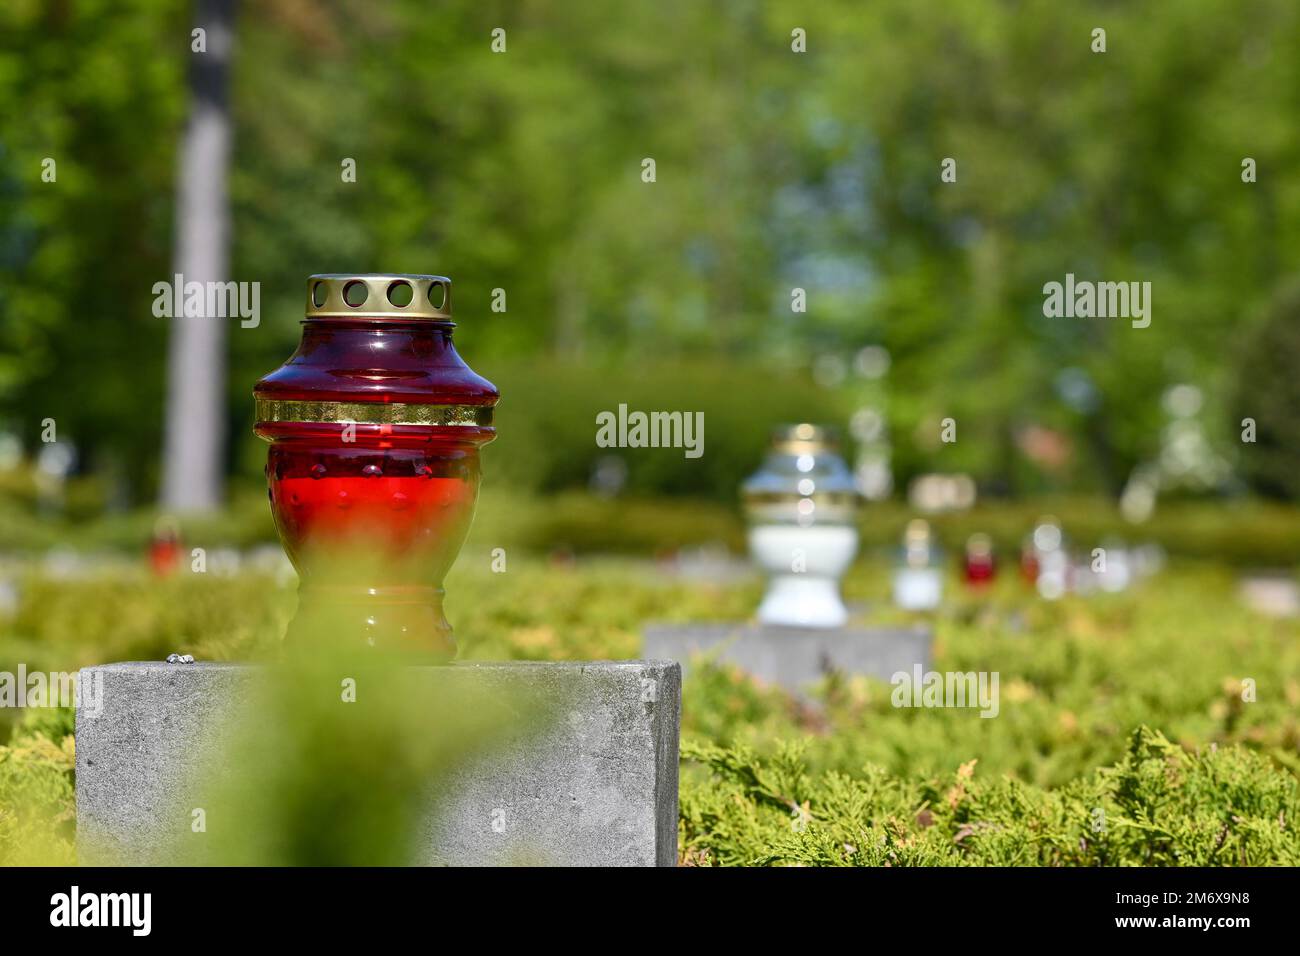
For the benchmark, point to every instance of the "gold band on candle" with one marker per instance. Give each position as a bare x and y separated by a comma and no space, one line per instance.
372,413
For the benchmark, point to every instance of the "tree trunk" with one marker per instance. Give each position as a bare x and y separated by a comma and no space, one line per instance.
196,364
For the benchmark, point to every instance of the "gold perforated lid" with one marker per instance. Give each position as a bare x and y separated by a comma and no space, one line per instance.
804,439
377,296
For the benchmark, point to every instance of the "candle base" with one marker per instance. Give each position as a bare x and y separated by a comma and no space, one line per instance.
408,620
802,600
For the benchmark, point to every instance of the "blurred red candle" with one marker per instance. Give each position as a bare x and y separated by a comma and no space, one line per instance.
165,547
1029,561
980,566
375,425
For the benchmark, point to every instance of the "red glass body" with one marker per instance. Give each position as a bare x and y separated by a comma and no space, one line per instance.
373,515
980,569
164,556
1029,565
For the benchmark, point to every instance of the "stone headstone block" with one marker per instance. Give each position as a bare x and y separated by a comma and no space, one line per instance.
794,657
596,785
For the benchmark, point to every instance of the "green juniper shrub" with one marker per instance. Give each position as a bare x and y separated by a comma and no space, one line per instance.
1160,805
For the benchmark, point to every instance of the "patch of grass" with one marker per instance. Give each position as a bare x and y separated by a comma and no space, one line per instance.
1135,704
37,800
1159,805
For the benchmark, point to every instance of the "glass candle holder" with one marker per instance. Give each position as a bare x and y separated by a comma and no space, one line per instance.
980,566
375,425
1052,559
801,505
165,547
918,574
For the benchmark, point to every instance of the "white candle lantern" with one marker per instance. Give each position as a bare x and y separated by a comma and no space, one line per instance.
918,578
801,506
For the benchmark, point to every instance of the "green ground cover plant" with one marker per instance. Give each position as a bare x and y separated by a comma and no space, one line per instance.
1126,734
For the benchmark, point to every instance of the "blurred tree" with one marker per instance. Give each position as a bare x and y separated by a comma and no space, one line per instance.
193,453
93,93
1267,392
520,171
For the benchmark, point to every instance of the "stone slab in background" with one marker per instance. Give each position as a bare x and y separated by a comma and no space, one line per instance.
794,657
1273,594
597,787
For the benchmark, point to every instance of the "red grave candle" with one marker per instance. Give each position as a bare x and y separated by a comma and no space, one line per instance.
375,425
165,547
980,566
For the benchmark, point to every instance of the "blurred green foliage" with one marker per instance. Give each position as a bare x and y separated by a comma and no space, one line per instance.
1241,533
547,423
346,742
1269,395
776,170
